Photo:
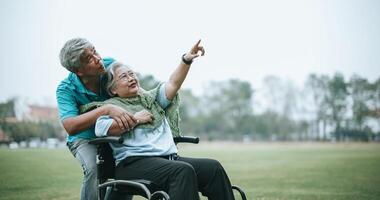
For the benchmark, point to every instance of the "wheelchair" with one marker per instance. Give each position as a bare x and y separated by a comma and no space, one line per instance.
111,189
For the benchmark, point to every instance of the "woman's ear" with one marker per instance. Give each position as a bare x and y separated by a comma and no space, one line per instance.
113,91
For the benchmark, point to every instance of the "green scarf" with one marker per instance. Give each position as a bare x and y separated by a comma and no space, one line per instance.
145,100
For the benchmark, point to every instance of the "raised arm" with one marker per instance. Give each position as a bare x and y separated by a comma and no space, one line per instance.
178,76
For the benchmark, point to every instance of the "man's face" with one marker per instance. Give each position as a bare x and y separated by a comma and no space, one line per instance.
92,64
127,84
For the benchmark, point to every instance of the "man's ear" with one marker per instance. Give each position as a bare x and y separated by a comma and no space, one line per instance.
77,72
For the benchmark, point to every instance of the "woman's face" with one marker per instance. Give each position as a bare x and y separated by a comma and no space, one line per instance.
127,84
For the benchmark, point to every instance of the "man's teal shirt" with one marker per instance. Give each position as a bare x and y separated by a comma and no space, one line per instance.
71,94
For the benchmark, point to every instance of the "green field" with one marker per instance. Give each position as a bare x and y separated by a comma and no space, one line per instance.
265,170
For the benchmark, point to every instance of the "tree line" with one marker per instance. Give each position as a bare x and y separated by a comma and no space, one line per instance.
326,108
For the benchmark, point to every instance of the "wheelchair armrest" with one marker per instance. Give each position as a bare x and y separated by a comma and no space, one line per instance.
107,139
241,192
133,184
137,187
160,195
186,139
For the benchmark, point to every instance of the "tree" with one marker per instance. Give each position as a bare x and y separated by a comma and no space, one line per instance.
360,94
273,93
318,87
273,126
147,82
337,102
374,102
228,105
283,99
190,111
7,109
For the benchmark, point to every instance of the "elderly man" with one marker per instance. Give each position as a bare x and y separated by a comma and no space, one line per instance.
82,86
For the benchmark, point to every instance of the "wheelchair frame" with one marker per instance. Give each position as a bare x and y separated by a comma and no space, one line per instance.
108,187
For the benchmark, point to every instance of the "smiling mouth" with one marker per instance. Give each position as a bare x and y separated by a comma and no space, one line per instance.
133,85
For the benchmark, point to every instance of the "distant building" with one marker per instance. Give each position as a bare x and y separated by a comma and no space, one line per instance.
3,137
16,111
42,114
375,113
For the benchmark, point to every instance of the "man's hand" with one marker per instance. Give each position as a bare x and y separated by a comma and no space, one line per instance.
124,119
143,117
193,53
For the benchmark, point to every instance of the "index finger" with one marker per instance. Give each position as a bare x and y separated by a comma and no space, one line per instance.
199,41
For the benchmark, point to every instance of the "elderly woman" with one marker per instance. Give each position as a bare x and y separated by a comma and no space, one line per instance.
148,151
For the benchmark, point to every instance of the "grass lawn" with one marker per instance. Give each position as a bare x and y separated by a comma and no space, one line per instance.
266,171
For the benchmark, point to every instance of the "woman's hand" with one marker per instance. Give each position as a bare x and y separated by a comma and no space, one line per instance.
124,119
143,117
194,52
179,75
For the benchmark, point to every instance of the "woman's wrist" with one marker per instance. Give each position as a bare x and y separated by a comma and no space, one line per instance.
138,119
186,60
104,110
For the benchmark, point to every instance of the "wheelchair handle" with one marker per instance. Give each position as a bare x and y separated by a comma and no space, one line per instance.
108,139
186,139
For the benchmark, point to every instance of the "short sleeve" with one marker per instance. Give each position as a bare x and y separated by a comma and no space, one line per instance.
161,97
67,105
103,124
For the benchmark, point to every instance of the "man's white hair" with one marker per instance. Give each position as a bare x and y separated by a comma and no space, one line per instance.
70,55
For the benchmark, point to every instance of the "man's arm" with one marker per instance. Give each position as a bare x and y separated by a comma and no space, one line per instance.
123,120
82,122
179,75
102,129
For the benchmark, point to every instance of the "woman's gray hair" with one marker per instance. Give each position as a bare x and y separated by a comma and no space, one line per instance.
111,82
70,55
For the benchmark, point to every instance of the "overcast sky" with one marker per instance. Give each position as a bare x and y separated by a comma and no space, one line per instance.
243,39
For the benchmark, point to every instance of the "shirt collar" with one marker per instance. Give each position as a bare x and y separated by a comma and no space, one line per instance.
78,84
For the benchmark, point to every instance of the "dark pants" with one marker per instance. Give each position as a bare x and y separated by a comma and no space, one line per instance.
181,178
